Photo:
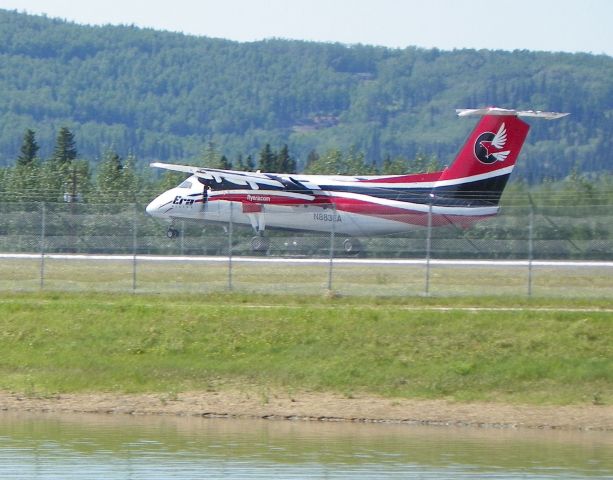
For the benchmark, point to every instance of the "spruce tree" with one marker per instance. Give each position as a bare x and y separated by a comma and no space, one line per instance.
65,150
29,149
58,177
250,164
211,157
109,178
240,164
25,176
224,163
268,159
285,163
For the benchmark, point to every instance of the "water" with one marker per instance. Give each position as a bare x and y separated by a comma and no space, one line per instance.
51,446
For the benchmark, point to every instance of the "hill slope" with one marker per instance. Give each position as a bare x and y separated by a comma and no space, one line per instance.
164,95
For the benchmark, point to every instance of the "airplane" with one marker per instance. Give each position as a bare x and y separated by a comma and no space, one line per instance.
465,192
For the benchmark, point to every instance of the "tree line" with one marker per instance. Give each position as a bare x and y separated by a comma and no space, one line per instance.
67,177
165,96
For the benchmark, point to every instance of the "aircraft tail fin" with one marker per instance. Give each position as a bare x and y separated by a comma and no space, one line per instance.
482,168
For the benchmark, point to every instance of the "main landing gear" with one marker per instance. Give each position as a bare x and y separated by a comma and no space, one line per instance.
260,244
172,232
352,246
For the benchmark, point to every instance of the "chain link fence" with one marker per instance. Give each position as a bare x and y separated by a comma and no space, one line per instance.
553,251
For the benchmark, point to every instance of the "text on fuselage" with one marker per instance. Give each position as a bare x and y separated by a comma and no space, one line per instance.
179,200
327,217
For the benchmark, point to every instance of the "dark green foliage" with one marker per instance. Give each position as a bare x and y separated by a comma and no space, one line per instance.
29,149
61,178
337,162
268,159
285,163
65,149
224,163
250,164
116,181
165,96
277,162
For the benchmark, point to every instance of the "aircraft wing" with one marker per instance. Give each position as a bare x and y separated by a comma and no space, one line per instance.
255,180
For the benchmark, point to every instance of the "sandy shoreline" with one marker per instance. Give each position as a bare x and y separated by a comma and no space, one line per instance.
311,406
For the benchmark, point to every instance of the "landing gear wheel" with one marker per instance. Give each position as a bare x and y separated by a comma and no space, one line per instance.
260,244
352,246
172,233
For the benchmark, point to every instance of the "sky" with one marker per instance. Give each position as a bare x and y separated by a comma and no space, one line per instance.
542,25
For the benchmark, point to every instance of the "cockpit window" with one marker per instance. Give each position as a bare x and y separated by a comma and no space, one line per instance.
186,184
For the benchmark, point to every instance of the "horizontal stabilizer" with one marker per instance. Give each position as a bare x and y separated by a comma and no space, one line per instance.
479,112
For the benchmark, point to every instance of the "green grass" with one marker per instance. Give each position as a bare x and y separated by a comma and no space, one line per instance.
300,279
514,351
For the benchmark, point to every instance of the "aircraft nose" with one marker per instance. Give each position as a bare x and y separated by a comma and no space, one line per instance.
152,209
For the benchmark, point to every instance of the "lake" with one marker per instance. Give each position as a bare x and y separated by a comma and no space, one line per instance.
58,446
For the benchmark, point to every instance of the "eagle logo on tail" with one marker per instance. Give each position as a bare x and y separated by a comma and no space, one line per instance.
489,146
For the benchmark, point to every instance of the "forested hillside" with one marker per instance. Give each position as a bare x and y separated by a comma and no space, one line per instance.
169,96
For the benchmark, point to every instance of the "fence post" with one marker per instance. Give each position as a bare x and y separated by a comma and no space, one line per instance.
428,248
332,234
182,243
530,247
42,245
134,246
230,249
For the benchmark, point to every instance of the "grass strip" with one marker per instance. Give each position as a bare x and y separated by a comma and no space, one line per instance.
511,350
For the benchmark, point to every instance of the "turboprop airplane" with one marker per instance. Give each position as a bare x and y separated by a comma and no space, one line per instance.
466,192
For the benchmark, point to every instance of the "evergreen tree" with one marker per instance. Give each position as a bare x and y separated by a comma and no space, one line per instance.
4,174
240,164
211,157
23,179
285,163
58,177
21,182
29,149
397,166
78,186
109,178
330,163
65,150
312,157
354,163
268,159
224,163
250,164
132,181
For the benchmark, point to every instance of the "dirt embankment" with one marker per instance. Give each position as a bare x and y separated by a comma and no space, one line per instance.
320,407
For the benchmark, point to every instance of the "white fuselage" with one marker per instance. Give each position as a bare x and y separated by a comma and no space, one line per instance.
266,210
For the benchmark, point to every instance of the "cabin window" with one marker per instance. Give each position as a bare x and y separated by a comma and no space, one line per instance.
186,184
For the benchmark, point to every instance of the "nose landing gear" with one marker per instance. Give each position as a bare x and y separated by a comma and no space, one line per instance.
172,232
